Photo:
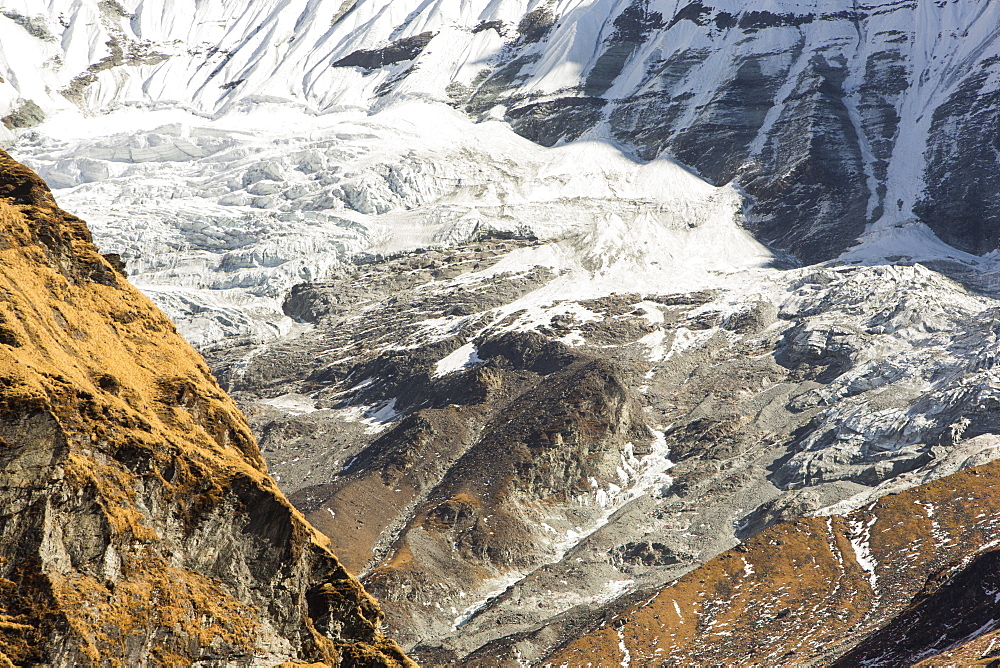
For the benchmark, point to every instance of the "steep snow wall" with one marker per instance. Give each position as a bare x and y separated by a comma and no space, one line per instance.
835,117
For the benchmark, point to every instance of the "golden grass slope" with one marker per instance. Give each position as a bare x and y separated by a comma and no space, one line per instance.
138,524
911,578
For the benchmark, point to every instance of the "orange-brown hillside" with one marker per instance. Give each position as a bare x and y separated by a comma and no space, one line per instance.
139,525
912,578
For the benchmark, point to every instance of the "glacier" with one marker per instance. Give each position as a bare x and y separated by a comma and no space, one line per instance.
272,197
264,159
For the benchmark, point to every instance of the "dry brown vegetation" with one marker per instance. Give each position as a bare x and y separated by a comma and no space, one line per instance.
136,504
807,592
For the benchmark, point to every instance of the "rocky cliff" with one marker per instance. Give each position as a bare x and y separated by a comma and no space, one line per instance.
139,523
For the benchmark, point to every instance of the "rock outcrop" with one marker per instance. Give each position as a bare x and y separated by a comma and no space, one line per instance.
139,525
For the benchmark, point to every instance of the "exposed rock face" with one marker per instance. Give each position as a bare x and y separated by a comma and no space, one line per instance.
139,522
26,115
815,114
370,59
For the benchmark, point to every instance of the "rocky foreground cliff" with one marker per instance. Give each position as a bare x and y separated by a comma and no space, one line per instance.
138,523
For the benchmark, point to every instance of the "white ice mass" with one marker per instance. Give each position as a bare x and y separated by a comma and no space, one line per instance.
269,197
221,149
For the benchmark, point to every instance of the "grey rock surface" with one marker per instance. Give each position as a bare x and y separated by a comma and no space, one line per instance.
505,482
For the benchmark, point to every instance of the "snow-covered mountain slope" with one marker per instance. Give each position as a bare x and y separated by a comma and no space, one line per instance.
231,124
830,120
833,117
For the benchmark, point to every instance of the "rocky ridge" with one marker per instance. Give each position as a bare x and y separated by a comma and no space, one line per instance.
907,580
139,522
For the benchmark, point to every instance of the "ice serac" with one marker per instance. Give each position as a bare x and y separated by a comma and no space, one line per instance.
140,524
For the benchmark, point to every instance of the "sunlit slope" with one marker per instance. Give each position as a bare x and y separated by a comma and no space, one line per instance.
141,525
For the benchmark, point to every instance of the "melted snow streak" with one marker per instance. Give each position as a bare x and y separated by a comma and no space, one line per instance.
859,537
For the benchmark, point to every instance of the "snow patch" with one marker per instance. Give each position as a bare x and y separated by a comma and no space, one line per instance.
470,611
377,417
860,532
461,358
292,403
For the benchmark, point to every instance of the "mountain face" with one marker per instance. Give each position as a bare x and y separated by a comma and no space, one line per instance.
832,119
571,322
243,135
505,459
139,522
